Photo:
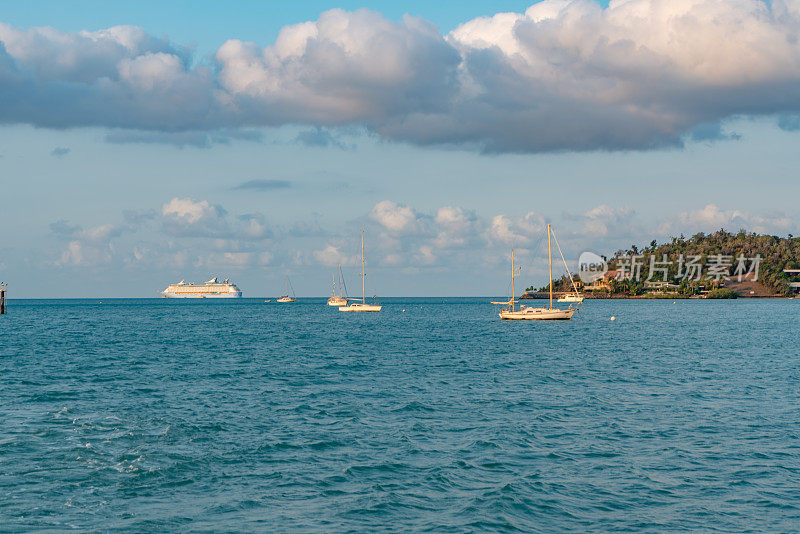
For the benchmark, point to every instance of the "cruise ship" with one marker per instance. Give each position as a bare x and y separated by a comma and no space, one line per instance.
213,289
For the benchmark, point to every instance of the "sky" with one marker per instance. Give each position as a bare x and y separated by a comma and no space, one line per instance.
142,144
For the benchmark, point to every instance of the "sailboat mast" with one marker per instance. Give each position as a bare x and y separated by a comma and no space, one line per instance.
513,292
550,264
363,271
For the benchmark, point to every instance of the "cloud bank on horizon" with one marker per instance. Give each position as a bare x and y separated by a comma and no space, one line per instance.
186,232
564,75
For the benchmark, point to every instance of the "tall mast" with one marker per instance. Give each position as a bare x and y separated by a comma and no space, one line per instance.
550,264
512,280
363,271
333,283
340,279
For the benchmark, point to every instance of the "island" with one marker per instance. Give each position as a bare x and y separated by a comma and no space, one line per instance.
719,265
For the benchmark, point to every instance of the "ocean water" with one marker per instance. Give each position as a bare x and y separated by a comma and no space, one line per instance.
434,415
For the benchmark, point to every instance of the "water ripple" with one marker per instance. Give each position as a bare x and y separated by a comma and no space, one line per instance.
164,416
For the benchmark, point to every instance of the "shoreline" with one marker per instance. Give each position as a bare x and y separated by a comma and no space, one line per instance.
545,296
525,296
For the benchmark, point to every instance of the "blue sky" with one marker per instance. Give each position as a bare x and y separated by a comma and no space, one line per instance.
119,188
208,24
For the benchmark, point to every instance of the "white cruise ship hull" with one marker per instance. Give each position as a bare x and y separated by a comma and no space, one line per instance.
213,289
169,295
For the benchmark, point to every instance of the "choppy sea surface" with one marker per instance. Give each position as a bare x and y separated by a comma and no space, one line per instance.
433,415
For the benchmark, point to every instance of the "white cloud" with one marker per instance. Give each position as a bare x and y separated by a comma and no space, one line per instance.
91,246
102,234
188,210
255,227
186,217
516,231
333,255
711,218
456,227
147,71
394,259
345,67
73,255
564,75
83,56
118,77
196,231
227,260
605,221
426,255
237,258
396,218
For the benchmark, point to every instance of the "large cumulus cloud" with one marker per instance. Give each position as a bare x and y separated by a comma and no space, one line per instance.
564,75
638,74
346,67
119,77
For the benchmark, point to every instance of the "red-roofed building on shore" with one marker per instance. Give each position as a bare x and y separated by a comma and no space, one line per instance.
604,283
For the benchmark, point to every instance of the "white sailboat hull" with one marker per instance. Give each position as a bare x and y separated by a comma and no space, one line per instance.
537,314
285,299
360,307
571,298
337,301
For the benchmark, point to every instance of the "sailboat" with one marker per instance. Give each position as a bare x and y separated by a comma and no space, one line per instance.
337,299
286,297
573,296
362,306
528,313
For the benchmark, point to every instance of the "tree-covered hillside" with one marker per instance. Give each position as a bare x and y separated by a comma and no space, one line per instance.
776,254
698,265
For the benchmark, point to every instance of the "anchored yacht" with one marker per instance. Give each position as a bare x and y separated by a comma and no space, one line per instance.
529,313
362,306
336,299
286,297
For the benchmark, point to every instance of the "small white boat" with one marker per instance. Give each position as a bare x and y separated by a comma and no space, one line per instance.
286,297
362,306
336,299
528,313
571,297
